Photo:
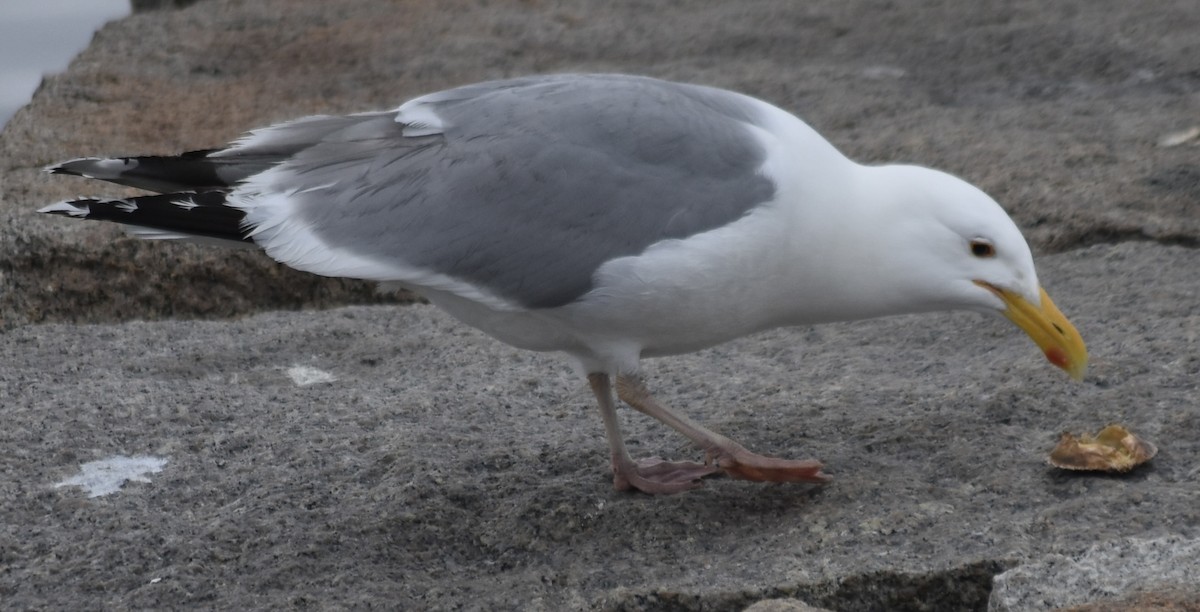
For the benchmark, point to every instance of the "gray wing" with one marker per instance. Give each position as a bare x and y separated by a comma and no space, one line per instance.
525,187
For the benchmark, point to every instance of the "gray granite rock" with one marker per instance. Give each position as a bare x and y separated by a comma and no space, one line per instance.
1109,571
442,470
783,605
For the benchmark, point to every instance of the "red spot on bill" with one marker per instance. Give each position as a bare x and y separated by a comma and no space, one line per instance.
1057,356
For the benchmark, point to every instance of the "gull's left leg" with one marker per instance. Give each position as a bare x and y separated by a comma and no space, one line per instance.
731,457
653,476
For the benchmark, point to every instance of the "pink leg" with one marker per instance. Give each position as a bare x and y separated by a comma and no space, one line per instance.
653,476
721,452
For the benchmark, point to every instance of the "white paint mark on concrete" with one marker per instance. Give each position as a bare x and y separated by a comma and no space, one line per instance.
304,376
108,475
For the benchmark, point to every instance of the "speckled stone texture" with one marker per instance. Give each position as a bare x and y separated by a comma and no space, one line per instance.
1108,572
445,471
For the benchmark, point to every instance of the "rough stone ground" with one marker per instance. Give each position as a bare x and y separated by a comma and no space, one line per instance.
445,471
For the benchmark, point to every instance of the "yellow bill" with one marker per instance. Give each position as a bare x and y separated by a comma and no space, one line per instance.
1048,328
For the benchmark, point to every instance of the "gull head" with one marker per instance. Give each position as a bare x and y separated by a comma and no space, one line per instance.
956,248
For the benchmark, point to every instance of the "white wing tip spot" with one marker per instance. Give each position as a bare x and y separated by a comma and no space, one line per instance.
107,476
66,208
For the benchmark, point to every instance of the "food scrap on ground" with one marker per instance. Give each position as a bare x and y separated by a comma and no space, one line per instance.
1114,449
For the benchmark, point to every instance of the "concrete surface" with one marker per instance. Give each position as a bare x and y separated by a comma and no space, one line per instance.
442,470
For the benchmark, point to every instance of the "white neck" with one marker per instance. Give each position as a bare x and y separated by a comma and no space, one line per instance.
835,236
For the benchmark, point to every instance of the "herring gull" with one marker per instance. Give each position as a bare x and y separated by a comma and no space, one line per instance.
607,217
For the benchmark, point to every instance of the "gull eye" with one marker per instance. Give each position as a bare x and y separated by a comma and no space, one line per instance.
982,248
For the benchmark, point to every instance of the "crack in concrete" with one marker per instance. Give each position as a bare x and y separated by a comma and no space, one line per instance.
1115,235
967,587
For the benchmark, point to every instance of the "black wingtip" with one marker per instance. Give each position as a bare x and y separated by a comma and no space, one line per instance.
73,167
192,171
173,215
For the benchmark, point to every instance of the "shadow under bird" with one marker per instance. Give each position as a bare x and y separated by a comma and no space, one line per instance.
607,217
